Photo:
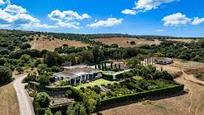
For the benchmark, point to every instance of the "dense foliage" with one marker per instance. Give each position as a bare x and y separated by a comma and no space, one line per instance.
5,74
41,102
193,51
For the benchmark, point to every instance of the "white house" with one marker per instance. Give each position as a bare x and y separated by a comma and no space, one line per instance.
77,74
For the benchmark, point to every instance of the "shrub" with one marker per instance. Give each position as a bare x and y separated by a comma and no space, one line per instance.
55,69
44,80
108,76
4,51
132,43
25,46
42,99
19,70
31,77
5,74
41,102
97,89
25,58
2,61
76,109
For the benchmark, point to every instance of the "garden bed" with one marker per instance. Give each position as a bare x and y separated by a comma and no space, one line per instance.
97,82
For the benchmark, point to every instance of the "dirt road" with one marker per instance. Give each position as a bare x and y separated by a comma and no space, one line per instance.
25,102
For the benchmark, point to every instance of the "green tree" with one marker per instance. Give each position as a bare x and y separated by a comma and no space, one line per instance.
42,99
133,63
5,74
32,76
48,112
201,43
44,80
2,61
25,58
25,46
52,58
76,109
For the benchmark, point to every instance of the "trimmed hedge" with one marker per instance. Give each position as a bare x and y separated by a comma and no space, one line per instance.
107,76
48,89
142,95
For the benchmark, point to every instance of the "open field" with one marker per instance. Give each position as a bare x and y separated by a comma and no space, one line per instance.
9,102
51,44
125,42
182,40
186,104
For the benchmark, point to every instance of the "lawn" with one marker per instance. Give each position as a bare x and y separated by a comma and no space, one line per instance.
137,78
96,82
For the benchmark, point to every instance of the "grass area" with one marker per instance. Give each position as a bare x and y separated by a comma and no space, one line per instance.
137,78
96,82
9,102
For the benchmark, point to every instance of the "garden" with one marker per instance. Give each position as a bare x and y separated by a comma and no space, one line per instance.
97,82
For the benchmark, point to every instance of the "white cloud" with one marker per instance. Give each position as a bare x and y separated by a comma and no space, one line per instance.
13,16
67,18
146,5
67,15
2,2
129,12
197,21
14,9
176,19
106,23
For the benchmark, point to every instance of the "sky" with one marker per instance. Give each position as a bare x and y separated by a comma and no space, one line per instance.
137,17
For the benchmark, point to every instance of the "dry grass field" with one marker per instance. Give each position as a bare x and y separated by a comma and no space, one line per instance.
182,40
187,104
51,44
125,42
9,102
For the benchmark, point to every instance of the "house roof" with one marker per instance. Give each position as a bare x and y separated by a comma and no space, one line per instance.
73,72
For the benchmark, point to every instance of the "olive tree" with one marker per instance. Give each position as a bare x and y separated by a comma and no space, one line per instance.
5,74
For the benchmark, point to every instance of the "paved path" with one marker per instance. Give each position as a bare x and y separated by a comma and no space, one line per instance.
25,102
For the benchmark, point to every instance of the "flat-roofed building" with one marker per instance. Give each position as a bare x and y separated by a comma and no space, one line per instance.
78,74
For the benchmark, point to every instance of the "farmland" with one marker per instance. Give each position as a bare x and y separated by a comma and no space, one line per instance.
51,44
126,42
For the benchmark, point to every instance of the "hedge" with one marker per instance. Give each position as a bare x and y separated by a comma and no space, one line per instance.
142,95
107,76
47,88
